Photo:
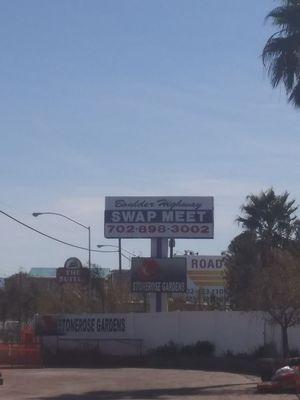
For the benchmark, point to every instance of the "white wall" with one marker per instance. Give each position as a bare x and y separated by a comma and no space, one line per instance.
238,332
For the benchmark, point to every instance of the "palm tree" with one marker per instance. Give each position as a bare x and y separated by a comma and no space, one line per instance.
281,54
270,217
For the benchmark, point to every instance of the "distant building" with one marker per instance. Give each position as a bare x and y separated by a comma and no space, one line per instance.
43,272
50,272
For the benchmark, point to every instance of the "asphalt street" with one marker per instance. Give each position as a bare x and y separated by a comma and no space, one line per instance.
129,383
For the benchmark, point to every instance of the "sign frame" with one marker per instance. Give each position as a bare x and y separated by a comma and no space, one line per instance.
182,217
73,272
158,275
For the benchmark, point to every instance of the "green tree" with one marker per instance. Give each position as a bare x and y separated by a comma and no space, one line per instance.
282,50
270,217
21,293
275,290
242,261
263,263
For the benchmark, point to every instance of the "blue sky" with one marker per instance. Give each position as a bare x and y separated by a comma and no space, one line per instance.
160,97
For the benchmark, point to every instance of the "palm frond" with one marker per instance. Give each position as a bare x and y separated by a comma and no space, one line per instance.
295,95
287,17
280,57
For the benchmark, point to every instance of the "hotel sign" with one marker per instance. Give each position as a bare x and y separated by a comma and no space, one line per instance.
73,272
148,217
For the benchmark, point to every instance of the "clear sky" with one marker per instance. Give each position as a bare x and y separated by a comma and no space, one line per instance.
135,97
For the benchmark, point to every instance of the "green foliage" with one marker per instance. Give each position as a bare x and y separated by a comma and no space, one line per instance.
281,52
200,349
228,354
242,261
204,348
268,350
294,353
169,349
19,298
262,264
269,217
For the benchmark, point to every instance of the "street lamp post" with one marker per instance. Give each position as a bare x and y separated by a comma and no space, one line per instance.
37,214
119,247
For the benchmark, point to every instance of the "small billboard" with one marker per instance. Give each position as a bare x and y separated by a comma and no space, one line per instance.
162,275
73,272
205,277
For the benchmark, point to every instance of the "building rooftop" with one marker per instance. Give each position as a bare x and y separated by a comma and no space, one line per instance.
43,272
50,272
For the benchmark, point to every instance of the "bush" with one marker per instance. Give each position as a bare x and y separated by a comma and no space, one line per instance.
228,354
294,353
267,350
205,348
169,349
200,348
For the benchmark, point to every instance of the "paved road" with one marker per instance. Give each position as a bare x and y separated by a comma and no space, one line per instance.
129,384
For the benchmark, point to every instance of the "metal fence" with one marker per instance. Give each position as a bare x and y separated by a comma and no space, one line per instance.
20,355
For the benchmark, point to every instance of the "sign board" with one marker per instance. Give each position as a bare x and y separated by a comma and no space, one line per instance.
72,272
205,277
73,262
94,326
166,275
150,217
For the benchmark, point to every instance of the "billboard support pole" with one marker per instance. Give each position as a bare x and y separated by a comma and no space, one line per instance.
120,255
159,249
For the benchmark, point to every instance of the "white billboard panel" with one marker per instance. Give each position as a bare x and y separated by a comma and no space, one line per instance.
147,217
93,326
205,277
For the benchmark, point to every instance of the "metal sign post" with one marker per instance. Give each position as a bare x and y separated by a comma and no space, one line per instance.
159,249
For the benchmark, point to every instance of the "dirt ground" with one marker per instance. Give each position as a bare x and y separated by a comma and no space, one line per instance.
129,383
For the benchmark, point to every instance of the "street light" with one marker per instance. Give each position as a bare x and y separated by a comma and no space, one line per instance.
119,251
37,214
116,247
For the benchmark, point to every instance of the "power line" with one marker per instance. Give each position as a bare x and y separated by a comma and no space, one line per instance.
46,235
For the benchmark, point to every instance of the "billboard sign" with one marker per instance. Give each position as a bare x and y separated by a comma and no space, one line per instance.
162,275
73,272
94,326
205,277
150,217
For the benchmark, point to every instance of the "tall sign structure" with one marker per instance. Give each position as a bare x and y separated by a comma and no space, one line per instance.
159,218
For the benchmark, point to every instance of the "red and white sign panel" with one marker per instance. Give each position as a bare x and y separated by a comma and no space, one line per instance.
146,217
72,275
166,275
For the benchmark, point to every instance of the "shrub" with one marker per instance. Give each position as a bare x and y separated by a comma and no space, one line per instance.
228,354
204,348
169,349
267,350
294,353
200,348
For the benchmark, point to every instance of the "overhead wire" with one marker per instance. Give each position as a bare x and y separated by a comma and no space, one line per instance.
46,235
